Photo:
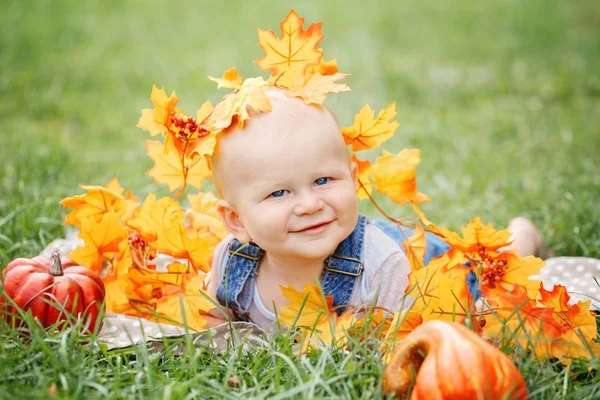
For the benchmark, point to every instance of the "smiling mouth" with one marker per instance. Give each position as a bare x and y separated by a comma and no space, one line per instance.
314,228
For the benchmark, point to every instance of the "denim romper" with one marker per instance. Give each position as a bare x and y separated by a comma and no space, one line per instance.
342,268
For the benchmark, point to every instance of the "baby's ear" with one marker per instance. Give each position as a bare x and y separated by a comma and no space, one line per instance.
231,220
354,173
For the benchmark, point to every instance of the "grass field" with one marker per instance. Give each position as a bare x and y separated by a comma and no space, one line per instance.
503,98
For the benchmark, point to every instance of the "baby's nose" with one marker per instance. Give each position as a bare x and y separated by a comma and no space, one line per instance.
308,203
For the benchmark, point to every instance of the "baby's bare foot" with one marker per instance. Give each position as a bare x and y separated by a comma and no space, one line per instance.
528,240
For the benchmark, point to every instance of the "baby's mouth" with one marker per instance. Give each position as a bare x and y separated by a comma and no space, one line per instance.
315,228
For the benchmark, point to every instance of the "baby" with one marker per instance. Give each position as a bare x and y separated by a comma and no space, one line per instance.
288,191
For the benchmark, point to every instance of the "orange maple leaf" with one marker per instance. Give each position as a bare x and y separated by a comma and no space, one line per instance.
415,247
231,79
235,105
186,306
99,239
477,235
424,283
203,215
365,186
161,224
95,203
323,68
315,313
500,271
313,91
159,119
171,170
394,176
573,319
369,132
290,55
115,186
191,144
516,316
117,299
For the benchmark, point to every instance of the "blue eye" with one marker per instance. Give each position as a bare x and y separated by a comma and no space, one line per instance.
322,181
277,193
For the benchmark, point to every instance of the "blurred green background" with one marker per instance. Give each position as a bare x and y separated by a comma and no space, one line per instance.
503,98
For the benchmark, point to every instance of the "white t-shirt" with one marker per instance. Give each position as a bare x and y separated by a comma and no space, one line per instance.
384,278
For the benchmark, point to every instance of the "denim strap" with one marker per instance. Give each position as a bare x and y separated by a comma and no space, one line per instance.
237,286
344,266
338,278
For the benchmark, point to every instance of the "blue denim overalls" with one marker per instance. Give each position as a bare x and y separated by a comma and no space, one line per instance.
339,276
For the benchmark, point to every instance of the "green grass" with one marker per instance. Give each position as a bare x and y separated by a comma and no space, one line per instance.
502,97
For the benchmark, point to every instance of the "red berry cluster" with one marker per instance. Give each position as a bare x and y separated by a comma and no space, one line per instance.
188,127
493,268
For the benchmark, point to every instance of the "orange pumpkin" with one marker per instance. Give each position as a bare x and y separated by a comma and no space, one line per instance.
451,362
76,289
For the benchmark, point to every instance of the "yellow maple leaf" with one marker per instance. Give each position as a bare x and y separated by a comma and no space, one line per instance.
99,239
203,215
314,90
415,247
424,283
235,105
454,302
115,186
171,170
161,224
231,79
323,68
394,176
186,306
117,299
158,119
403,323
477,235
314,314
369,132
425,221
290,55
365,186
95,203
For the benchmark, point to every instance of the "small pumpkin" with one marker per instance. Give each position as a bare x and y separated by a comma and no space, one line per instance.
451,362
78,290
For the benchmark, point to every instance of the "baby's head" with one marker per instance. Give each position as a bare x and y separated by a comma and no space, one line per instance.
286,180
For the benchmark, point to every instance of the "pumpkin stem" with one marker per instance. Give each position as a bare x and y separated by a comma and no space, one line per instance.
56,268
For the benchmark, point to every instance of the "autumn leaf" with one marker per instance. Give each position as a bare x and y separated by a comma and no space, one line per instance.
425,221
315,89
365,186
453,303
117,299
158,119
424,284
415,247
577,322
394,176
235,105
323,68
477,235
161,223
498,271
115,186
514,314
95,203
231,79
315,313
188,305
172,171
369,132
203,215
403,323
99,238
291,54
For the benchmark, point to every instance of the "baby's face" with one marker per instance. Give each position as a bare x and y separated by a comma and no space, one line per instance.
292,184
